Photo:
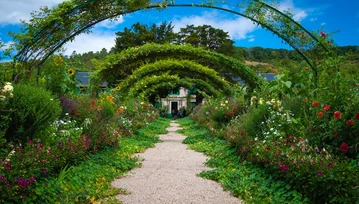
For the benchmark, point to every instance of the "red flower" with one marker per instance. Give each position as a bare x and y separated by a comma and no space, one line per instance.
315,104
320,174
99,108
320,114
357,116
350,122
344,147
337,114
330,165
326,107
323,34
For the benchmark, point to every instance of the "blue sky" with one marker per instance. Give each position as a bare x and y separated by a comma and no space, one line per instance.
328,15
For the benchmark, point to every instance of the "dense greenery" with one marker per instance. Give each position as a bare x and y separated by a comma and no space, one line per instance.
297,131
91,180
244,180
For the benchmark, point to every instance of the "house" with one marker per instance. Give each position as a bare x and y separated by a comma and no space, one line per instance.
83,80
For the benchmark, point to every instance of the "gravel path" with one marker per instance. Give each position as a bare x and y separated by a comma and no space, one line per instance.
168,175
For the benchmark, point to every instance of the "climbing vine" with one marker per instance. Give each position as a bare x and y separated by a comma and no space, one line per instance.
149,85
183,68
130,59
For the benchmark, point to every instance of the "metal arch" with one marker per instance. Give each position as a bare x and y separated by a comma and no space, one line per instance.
26,53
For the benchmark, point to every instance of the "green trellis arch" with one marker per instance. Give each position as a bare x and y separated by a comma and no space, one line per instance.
182,68
50,29
149,85
130,59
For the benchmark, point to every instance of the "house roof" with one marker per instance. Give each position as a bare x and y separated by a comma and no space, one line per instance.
83,79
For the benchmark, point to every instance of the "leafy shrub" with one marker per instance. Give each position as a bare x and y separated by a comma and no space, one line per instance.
34,110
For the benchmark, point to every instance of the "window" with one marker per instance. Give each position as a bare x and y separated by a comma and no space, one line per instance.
175,91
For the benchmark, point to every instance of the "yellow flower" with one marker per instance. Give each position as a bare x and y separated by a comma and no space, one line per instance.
71,71
261,101
118,88
110,99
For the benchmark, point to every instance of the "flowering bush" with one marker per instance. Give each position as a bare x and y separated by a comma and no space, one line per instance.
82,129
6,93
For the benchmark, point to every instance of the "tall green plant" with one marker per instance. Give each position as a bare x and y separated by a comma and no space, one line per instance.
34,110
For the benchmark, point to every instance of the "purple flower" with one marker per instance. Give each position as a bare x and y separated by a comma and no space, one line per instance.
2,178
8,184
44,171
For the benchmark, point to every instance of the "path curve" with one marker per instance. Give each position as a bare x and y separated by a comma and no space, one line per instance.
168,175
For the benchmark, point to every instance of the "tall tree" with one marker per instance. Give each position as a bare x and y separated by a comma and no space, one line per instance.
140,34
207,37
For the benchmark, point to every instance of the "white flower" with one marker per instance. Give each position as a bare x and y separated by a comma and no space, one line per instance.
8,88
2,98
264,141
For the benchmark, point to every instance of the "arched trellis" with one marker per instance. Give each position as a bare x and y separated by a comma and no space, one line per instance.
149,85
131,58
183,68
51,29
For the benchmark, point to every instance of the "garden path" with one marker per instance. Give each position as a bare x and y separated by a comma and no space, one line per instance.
168,175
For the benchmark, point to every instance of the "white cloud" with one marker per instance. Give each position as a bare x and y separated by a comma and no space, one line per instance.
6,45
110,23
237,28
12,11
323,24
313,19
95,41
298,14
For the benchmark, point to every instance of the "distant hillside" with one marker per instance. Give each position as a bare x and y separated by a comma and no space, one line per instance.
269,60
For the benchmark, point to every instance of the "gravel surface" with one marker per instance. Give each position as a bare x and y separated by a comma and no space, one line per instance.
168,175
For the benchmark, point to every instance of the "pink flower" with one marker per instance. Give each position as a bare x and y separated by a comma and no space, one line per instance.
323,34
330,165
320,174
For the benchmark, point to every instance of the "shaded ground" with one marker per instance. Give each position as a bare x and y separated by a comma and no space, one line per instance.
168,175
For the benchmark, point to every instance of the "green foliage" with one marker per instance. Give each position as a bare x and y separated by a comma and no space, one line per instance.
121,65
58,77
245,180
91,180
140,34
183,68
207,37
34,110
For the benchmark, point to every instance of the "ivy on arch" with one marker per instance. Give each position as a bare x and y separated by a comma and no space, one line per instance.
183,68
50,29
129,59
149,85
